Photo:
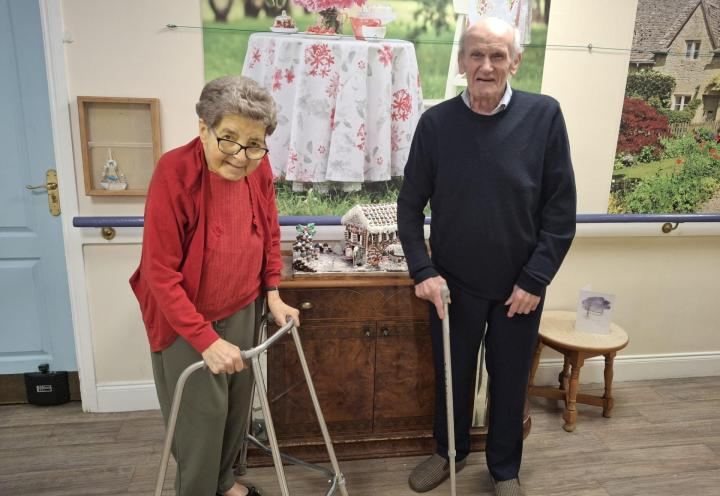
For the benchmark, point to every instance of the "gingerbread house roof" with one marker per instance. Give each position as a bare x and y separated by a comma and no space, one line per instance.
374,217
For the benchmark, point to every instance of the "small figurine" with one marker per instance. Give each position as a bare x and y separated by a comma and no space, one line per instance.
112,179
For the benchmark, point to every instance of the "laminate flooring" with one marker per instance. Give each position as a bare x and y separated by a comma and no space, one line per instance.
663,439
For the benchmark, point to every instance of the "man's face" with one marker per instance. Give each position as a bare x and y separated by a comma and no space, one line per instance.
487,61
239,129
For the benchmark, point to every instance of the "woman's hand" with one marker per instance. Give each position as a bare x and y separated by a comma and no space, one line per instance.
223,356
280,311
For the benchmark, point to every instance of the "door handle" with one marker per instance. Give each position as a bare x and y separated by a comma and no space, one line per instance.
51,185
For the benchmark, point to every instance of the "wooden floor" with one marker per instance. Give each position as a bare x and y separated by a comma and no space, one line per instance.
664,439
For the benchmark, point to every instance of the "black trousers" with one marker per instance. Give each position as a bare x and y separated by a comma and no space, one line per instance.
509,345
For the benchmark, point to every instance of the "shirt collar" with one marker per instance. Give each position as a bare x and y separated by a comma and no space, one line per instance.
504,101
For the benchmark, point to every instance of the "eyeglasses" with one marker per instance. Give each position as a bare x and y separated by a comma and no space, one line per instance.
230,147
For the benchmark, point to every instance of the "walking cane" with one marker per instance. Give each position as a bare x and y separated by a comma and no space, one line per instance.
445,295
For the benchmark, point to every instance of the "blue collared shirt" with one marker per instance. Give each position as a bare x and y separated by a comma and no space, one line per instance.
501,106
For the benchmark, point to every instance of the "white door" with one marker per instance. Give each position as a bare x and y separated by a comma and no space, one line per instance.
35,321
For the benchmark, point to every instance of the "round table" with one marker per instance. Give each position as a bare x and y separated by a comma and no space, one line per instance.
557,331
347,108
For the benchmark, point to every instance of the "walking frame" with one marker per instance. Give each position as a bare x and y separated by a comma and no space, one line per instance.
445,295
336,478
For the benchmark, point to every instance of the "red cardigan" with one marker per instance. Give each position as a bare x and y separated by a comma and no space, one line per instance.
166,282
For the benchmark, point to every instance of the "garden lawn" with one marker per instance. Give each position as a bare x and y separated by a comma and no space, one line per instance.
663,167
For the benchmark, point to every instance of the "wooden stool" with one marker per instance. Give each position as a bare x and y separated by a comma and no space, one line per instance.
557,331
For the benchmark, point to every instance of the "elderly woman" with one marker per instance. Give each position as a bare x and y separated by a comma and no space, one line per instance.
210,256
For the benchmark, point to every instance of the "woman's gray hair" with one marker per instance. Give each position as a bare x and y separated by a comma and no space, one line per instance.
236,95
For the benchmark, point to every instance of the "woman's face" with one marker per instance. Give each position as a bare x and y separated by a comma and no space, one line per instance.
233,127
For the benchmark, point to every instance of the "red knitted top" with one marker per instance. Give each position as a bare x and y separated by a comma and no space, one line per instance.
167,282
233,251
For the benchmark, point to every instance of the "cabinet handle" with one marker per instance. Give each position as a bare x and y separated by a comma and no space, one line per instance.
367,333
385,331
306,305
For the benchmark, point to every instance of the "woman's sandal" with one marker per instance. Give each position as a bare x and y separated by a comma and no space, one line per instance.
251,492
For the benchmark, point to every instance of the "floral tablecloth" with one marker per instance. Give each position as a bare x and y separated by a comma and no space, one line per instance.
347,109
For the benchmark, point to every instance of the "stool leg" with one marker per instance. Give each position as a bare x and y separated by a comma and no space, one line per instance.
565,374
570,415
608,401
535,363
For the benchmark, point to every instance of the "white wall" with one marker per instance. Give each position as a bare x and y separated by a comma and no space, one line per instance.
123,49
664,283
590,85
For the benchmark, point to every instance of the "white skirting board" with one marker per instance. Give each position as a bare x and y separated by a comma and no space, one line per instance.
636,367
140,395
127,396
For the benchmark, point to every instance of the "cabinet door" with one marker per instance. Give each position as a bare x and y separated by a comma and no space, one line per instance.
341,359
404,377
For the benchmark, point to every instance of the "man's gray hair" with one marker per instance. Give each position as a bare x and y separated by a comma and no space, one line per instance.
516,47
236,95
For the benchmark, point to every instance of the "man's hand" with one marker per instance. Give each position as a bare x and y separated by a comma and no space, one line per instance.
429,290
280,311
223,356
521,301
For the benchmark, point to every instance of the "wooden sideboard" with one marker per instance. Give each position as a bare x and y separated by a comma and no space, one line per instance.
367,343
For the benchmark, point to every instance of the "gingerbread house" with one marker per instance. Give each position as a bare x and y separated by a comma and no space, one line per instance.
369,230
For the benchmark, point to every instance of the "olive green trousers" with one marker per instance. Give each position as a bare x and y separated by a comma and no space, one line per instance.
212,420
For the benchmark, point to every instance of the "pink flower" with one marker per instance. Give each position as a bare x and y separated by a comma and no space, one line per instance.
394,137
332,119
385,55
361,134
255,57
320,58
401,105
334,86
318,5
277,80
289,75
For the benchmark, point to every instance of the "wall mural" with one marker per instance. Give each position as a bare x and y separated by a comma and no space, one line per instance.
668,156
314,82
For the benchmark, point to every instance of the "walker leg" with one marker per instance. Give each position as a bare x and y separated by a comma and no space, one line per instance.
277,460
241,461
339,478
172,421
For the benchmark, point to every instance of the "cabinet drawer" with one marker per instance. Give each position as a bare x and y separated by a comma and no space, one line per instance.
356,303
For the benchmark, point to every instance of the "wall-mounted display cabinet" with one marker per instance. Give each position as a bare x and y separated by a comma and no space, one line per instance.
120,140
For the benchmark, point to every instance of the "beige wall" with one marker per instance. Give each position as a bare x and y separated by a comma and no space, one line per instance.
663,287
122,49
590,85
120,345
665,284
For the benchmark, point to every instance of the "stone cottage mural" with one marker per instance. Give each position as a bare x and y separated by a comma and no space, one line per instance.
667,158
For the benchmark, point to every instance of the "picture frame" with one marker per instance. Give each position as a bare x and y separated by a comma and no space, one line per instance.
120,142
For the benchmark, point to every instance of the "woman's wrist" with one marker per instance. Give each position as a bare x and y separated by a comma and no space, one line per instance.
272,294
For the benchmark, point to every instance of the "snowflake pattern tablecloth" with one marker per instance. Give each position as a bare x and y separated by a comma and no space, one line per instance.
347,109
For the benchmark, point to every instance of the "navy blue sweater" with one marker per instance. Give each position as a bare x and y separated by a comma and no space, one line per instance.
502,194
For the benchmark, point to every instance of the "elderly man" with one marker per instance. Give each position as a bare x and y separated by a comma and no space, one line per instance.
495,165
